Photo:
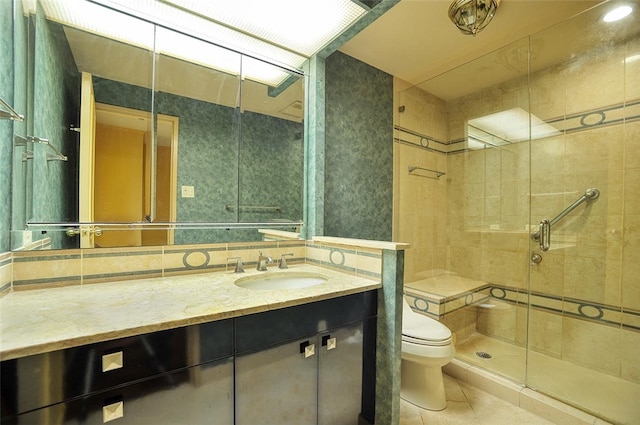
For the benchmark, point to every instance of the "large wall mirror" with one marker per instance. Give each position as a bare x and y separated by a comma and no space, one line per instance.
137,134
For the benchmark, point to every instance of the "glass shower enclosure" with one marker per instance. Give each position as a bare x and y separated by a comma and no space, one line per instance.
518,187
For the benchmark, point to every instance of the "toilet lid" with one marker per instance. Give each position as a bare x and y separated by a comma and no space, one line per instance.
420,327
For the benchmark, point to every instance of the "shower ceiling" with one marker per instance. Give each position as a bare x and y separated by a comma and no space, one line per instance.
415,40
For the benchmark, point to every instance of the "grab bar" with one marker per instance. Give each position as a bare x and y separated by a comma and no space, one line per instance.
543,235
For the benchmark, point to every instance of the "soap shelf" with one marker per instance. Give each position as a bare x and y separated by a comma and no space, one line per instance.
431,174
22,141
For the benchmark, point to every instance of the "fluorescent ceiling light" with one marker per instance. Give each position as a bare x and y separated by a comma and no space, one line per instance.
510,126
302,26
617,13
268,27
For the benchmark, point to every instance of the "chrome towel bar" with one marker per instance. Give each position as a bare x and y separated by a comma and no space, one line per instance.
253,208
22,141
10,113
438,174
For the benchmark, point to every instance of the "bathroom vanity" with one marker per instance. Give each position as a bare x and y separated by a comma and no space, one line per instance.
192,349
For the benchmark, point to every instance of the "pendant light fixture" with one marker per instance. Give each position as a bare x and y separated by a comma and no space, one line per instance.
471,16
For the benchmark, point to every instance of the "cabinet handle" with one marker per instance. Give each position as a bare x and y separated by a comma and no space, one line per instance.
307,349
112,411
112,361
329,342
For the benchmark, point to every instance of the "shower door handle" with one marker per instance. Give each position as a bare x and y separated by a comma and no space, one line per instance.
544,234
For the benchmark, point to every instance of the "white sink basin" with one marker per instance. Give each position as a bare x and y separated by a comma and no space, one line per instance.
292,280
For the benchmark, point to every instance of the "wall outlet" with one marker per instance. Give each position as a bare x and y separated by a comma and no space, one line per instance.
188,192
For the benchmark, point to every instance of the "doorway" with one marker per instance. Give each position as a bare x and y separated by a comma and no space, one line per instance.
122,175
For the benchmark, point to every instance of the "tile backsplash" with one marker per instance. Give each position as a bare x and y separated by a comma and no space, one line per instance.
45,269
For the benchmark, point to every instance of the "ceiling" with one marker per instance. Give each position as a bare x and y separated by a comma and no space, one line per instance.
416,41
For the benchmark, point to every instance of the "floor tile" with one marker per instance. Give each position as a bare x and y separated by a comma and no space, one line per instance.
468,405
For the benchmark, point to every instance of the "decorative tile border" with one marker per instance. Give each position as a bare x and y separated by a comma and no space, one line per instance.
194,259
109,264
580,121
365,262
437,307
39,245
610,115
6,271
42,269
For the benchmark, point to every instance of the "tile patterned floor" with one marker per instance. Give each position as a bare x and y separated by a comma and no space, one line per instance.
468,405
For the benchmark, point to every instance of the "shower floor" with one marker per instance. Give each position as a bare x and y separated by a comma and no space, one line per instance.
599,394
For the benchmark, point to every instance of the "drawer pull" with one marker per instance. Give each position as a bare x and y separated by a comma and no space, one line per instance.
329,342
112,411
307,349
112,361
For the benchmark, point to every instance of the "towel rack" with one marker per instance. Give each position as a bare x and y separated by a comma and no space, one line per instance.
437,173
253,207
22,141
10,113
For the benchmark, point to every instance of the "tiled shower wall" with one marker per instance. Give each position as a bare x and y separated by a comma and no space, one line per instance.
585,293
420,200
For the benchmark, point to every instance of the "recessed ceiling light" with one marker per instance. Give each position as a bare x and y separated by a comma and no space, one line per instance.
617,13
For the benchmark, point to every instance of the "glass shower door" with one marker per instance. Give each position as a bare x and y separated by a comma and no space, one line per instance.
584,305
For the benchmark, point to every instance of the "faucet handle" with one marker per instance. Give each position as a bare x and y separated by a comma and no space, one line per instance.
239,267
283,261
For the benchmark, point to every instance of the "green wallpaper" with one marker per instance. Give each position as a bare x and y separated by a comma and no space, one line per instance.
6,126
56,105
358,195
271,157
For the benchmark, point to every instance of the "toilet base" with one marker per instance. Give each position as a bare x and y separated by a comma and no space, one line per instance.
423,386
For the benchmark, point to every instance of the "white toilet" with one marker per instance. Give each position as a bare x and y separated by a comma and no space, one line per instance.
426,347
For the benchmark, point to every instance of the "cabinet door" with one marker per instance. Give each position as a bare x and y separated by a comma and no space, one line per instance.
340,376
278,386
196,395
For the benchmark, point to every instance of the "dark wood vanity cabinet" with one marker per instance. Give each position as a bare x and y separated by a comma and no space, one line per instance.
131,379
312,364
198,374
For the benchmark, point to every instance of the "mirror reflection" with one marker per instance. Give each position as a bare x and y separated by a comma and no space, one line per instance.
157,127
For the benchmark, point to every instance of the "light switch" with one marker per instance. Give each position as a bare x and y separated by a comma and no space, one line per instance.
188,192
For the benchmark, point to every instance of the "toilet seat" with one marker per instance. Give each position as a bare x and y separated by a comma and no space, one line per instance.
430,342
422,330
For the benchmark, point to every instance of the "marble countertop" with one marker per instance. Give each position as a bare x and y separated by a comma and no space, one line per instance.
43,320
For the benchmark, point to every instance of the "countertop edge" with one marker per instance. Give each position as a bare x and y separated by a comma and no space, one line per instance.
194,319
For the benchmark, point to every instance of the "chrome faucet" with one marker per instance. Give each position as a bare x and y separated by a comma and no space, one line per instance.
263,260
283,261
239,267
